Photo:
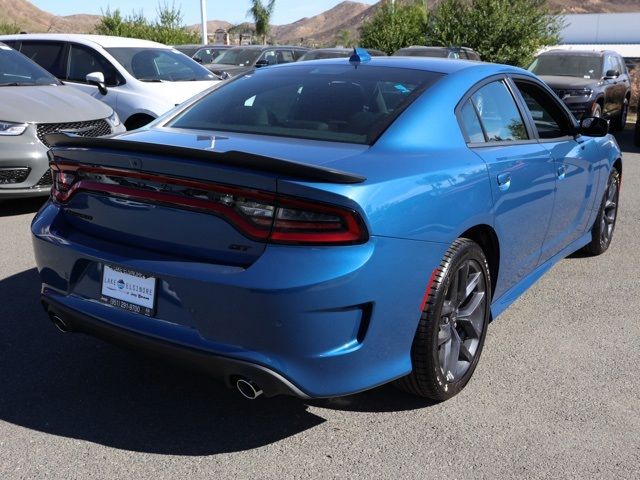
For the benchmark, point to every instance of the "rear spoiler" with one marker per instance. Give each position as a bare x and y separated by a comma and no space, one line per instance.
60,141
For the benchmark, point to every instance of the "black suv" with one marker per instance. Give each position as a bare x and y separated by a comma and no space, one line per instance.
238,60
462,53
590,83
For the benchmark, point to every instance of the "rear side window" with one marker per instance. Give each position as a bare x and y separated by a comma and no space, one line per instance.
471,123
10,43
499,114
49,55
84,60
322,102
285,56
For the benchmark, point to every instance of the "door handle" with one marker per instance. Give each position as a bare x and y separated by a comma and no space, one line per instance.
504,181
562,172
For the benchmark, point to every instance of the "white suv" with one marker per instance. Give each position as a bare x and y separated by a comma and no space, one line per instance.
140,80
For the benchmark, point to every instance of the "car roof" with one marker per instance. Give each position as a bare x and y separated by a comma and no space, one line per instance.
584,53
438,65
268,47
104,41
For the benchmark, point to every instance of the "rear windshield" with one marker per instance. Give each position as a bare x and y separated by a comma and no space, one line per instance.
17,70
322,102
159,65
240,57
422,52
324,55
583,66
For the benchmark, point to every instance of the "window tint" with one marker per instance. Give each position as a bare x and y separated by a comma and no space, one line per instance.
499,114
49,55
16,70
285,56
159,64
322,102
471,123
548,117
10,43
610,64
270,57
568,65
622,68
84,60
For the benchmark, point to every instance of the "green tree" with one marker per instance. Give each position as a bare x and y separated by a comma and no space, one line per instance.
501,31
9,28
344,39
167,29
392,28
261,14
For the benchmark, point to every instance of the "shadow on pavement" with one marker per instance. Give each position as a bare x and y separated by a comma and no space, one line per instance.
10,208
75,386
625,140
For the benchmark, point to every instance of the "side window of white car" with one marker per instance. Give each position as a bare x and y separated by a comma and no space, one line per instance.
84,60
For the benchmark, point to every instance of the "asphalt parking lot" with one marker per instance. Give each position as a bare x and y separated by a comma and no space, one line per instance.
556,394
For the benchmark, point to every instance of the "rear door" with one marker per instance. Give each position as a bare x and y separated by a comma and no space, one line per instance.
574,173
50,55
521,173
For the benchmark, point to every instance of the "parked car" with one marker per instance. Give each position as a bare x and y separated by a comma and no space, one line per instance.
637,132
590,83
140,80
32,104
323,53
462,53
321,228
238,60
203,54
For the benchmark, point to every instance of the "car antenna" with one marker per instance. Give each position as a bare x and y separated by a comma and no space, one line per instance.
359,55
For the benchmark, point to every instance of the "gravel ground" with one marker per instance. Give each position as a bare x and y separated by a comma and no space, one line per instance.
556,393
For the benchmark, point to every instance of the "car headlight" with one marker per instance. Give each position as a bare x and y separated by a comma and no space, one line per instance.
578,92
12,129
114,120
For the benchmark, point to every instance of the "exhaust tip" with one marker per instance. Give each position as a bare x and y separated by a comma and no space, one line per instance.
59,323
248,389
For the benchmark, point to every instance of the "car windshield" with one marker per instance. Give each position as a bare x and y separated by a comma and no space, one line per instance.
423,52
320,102
324,54
16,70
583,66
241,57
159,65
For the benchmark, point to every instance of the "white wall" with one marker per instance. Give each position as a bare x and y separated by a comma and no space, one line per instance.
599,28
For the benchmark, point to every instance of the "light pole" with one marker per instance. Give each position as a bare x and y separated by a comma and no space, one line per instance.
203,27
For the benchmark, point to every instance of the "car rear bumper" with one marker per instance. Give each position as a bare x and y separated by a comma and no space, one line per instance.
220,367
330,320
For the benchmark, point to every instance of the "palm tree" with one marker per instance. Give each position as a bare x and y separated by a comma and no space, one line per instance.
261,16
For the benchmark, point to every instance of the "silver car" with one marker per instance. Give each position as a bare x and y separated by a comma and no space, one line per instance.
33,104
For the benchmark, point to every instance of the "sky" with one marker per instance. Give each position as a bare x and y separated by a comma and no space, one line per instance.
233,11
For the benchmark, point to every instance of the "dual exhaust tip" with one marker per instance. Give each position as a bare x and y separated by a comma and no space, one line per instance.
247,388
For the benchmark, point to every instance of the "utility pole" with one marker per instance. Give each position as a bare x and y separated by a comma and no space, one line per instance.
203,27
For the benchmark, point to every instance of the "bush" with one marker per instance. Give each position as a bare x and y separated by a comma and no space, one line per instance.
9,28
392,28
167,29
635,88
501,31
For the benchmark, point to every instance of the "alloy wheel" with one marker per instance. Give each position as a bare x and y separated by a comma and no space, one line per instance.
462,320
608,221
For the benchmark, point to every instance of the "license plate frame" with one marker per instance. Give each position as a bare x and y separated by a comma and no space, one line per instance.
128,290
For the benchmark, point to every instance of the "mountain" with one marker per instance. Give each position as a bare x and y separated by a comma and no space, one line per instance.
323,28
31,19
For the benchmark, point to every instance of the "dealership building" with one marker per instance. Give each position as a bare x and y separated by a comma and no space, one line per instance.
603,31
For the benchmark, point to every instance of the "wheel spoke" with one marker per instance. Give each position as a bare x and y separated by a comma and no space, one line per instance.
452,355
472,283
470,328
471,306
444,334
447,308
463,276
465,354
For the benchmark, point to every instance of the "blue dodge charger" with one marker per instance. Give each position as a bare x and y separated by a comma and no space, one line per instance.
319,229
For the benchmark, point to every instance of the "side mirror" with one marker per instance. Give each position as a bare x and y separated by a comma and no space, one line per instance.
97,79
262,63
594,127
611,74
197,59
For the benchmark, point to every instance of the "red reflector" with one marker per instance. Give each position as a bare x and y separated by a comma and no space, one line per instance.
425,298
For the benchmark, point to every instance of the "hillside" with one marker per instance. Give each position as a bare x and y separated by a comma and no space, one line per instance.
31,19
321,29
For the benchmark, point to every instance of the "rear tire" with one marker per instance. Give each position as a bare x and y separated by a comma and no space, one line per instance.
453,324
605,224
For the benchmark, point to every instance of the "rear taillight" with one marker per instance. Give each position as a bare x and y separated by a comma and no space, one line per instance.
259,215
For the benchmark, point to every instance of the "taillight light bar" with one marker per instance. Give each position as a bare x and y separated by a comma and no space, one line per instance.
259,215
